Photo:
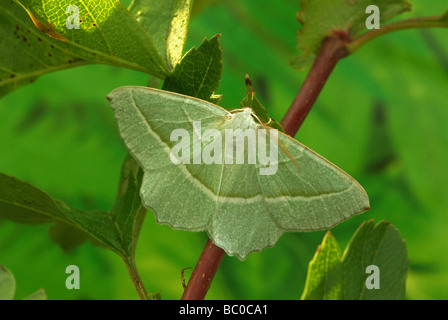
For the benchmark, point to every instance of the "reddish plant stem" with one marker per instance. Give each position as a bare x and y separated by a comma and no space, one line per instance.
204,272
333,49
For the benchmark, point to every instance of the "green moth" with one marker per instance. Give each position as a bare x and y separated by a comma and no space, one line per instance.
241,209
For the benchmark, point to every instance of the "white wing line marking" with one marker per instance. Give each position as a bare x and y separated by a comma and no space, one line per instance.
210,193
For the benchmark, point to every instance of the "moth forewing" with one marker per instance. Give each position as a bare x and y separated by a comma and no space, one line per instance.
275,137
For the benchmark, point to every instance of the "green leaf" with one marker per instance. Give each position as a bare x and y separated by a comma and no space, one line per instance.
167,23
199,73
8,287
332,276
379,245
67,236
128,212
251,101
324,274
300,61
322,18
34,40
23,203
7,284
118,229
242,210
38,295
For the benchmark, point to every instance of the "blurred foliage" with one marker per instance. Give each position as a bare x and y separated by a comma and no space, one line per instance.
375,249
8,287
382,117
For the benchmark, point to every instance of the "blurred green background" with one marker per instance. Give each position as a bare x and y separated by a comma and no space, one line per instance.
382,118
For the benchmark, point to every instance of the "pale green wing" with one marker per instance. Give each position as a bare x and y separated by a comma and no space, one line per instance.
241,210
317,198
146,117
255,209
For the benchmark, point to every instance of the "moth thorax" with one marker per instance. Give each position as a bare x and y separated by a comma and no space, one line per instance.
243,119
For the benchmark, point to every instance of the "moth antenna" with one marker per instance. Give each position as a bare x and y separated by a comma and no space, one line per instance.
278,143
